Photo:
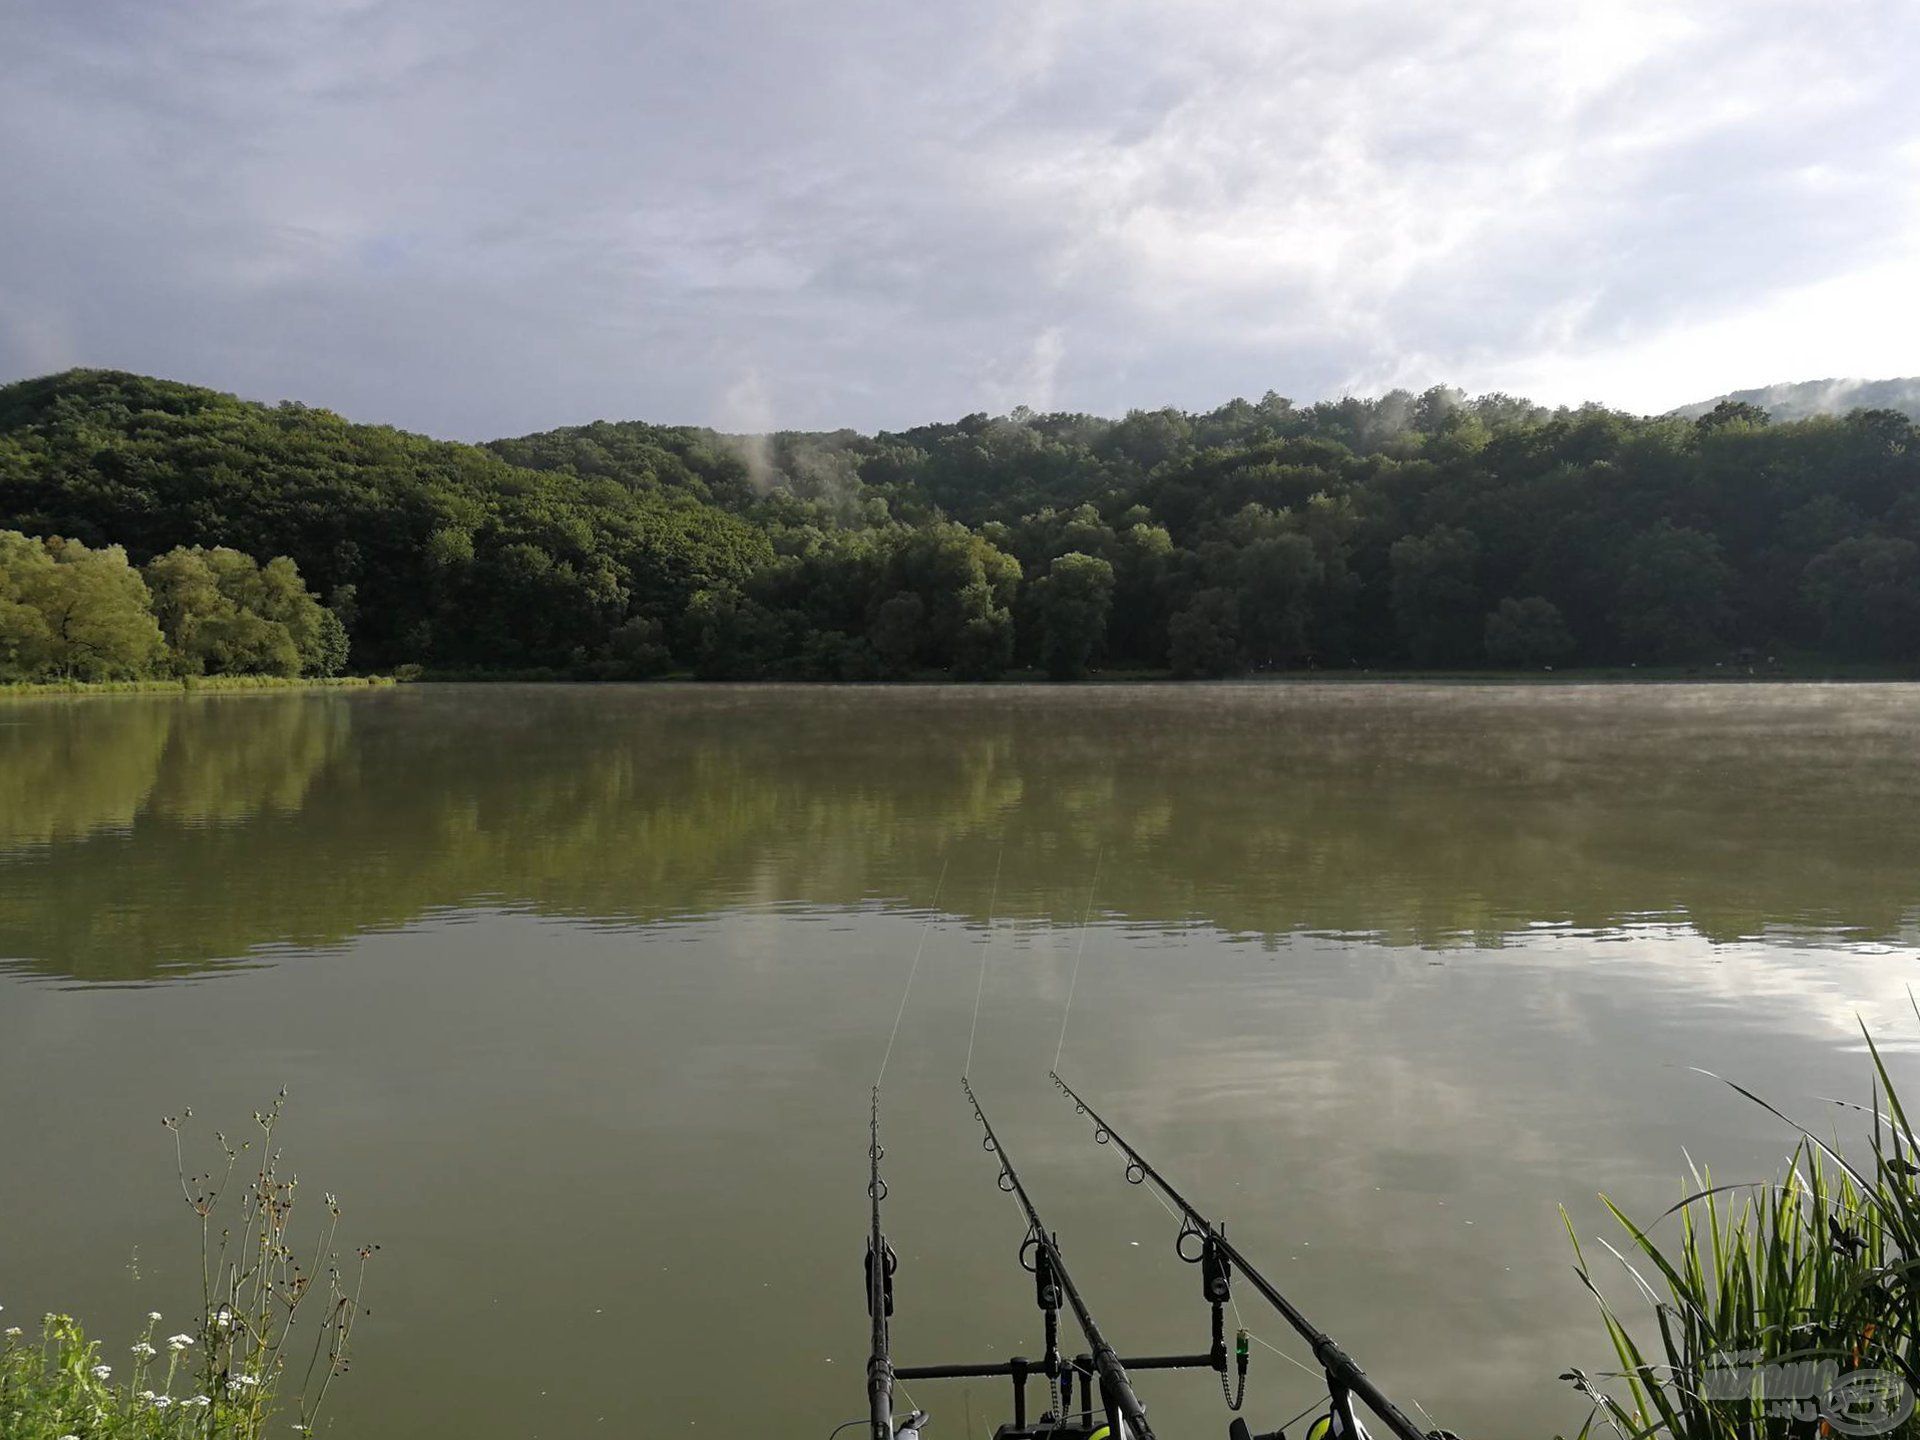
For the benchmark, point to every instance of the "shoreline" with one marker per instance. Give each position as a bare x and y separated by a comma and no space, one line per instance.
187,685
1597,675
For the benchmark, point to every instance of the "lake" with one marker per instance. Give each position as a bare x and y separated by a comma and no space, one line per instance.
578,994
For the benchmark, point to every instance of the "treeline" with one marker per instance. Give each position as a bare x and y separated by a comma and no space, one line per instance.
1430,530
71,612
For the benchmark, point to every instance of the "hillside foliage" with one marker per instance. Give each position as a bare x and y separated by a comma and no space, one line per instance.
1433,530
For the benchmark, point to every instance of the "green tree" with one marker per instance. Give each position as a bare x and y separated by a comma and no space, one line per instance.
1142,557
636,649
731,636
223,613
1527,633
27,649
897,632
1203,638
985,646
1279,577
1865,592
1436,600
1673,601
1734,414
71,612
1074,599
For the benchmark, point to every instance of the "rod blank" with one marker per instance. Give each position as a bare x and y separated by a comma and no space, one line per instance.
1116,1390
879,1292
1341,1369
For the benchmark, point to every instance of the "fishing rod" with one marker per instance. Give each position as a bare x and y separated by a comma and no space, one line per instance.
1344,1377
881,1263
1126,1416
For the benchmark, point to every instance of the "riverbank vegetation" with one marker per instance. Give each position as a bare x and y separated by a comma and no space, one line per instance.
1779,1309
1433,531
193,684
73,613
256,1356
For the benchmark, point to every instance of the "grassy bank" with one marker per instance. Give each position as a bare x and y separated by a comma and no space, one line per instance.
235,1369
193,685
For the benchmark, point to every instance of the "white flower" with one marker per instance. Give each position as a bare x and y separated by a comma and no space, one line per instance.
199,1402
101,1372
222,1318
143,1349
161,1402
148,1396
153,1314
179,1342
13,1332
69,1437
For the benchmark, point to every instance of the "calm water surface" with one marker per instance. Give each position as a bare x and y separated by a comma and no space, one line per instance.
579,992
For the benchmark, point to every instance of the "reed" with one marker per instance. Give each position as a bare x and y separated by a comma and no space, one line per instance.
1787,1308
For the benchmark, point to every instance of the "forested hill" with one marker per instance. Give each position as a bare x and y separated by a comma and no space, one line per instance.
1804,399
1430,530
430,551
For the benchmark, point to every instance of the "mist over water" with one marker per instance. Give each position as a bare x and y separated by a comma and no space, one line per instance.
579,992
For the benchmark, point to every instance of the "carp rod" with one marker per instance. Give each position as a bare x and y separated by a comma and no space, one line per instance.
1344,1376
1126,1416
1039,1255
881,1264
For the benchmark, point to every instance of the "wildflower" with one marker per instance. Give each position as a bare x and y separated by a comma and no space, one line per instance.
153,1314
143,1350
161,1402
101,1373
13,1332
198,1402
179,1342
222,1318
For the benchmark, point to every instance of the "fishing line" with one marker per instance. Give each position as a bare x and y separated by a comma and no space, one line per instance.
986,948
918,951
1232,1299
1297,1364
1079,955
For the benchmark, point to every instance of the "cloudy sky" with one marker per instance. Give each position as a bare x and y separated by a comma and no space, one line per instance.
482,217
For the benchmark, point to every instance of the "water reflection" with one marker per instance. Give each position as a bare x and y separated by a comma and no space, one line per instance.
606,974
143,838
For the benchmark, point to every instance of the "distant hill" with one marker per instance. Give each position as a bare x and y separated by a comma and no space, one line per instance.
1803,399
428,550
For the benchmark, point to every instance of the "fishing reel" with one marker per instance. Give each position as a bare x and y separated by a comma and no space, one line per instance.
1329,1426
1339,1423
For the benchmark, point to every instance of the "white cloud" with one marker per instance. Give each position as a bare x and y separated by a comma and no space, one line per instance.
476,219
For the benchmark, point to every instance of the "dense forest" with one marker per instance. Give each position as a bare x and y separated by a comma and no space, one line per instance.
1436,531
